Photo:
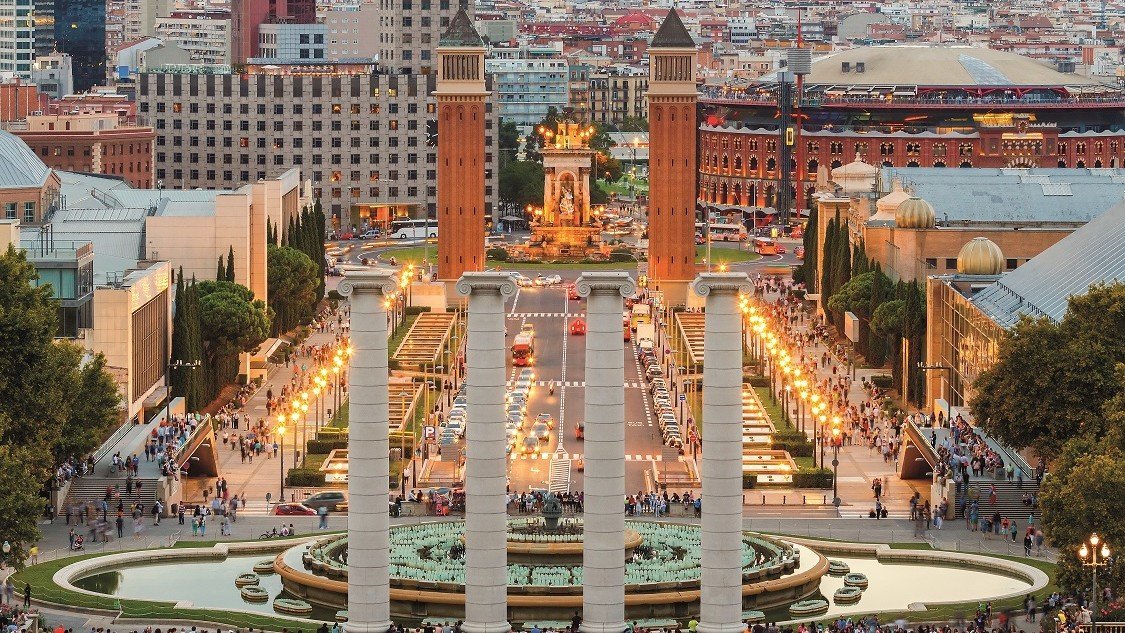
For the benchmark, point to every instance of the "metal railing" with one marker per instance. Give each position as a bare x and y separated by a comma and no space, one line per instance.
111,443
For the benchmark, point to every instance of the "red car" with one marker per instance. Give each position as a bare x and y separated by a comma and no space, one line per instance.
578,327
781,249
572,293
293,509
628,333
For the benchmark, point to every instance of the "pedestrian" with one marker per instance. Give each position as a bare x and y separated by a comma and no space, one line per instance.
120,525
27,596
322,512
33,554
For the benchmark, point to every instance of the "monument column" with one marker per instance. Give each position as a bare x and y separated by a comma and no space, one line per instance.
369,603
486,463
720,599
603,548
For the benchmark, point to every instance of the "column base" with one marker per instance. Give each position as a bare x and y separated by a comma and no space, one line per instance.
352,626
486,627
602,627
709,627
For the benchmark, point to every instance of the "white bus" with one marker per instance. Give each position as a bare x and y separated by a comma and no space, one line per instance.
414,229
721,232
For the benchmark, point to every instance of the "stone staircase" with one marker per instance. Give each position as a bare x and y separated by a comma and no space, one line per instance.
1009,499
91,489
758,459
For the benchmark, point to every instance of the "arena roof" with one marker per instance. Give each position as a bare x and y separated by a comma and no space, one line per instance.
938,66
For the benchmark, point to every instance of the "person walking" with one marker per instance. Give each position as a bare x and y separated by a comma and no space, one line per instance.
27,596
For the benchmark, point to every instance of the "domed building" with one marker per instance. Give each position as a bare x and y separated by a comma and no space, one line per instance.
888,205
980,256
915,213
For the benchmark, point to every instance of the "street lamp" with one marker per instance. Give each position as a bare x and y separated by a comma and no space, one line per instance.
1093,558
281,435
835,462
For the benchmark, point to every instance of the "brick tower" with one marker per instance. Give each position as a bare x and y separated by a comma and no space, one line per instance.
672,155
460,127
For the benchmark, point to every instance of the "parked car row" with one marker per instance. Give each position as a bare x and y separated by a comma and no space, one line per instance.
540,280
525,434
663,404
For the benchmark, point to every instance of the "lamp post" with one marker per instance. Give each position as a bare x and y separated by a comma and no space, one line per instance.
281,435
835,463
1093,557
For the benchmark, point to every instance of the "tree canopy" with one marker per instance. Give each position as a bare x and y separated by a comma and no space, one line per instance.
293,282
1051,381
57,403
232,320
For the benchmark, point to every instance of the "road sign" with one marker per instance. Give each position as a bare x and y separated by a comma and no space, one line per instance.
430,433
683,397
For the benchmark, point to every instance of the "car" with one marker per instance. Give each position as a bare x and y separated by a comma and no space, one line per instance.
580,431
545,418
528,328
572,292
577,327
457,428
527,373
799,252
529,444
328,499
781,249
540,280
371,234
552,280
514,410
628,333
523,281
293,509
654,371
540,431
675,442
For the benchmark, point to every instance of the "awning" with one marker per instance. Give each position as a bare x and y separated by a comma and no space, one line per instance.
513,218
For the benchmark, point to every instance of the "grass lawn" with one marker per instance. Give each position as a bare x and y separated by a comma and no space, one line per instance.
340,418
724,254
773,410
410,254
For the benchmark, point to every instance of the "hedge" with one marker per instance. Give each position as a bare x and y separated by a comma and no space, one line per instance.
759,381
304,477
820,478
324,446
497,254
792,436
796,449
749,481
416,309
882,381
328,433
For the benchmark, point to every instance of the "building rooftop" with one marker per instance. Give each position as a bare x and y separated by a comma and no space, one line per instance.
461,32
1012,196
924,65
672,33
19,166
1043,286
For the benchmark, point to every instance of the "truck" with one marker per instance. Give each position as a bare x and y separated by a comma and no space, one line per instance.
642,313
646,335
523,349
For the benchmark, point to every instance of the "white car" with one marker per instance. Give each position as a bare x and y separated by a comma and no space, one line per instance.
540,280
552,280
371,235
523,281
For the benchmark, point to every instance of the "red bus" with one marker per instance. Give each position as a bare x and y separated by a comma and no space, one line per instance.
765,246
523,349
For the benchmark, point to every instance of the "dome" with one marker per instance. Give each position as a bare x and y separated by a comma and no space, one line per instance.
980,256
888,204
855,169
915,213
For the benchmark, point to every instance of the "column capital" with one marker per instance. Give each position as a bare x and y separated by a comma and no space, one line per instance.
486,282
722,283
361,281
605,283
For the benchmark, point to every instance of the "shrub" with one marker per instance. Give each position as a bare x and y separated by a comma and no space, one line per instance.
304,477
882,381
325,446
749,481
796,449
416,309
792,436
820,478
497,254
759,381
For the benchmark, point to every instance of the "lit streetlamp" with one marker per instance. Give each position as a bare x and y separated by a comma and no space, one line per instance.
281,436
1093,557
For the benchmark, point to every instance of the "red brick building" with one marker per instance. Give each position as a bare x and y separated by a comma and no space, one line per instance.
93,143
906,106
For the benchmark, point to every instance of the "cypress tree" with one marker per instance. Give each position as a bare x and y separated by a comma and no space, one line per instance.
220,270
179,332
292,232
812,253
828,253
321,255
230,265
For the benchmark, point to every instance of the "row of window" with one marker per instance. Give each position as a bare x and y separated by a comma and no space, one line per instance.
836,148
373,125
12,208
279,109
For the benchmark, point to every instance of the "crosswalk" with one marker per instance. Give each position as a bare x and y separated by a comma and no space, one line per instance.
576,456
576,383
544,315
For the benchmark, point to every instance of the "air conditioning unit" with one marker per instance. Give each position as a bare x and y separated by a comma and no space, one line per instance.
860,67
845,67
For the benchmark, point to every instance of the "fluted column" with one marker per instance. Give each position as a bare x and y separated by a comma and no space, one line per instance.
721,578
369,604
603,549
486,527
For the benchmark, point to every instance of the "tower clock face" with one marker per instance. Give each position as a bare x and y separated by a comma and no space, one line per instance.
431,133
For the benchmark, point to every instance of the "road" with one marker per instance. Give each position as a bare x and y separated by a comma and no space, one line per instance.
561,358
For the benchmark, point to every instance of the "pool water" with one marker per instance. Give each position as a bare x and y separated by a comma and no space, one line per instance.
893,586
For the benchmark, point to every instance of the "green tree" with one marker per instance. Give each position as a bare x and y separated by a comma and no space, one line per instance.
521,184
854,296
220,270
608,167
232,322
508,141
809,242
293,280
633,124
229,275
22,473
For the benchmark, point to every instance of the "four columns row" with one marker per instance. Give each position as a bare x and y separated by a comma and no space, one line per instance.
486,460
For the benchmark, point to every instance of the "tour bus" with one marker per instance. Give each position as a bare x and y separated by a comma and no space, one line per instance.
642,313
765,246
414,229
523,349
722,232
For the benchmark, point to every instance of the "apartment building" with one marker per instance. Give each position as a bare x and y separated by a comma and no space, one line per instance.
528,82
366,141
613,98
205,35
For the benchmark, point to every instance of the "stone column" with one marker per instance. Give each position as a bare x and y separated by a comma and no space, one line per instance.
603,549
486,518
721,578
369,603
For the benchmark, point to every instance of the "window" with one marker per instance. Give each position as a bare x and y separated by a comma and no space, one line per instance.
1011,264
10,210
951,263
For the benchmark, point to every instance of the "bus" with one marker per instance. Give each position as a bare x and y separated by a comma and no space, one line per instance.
523,349
721,232
642,313
765,246
414,229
